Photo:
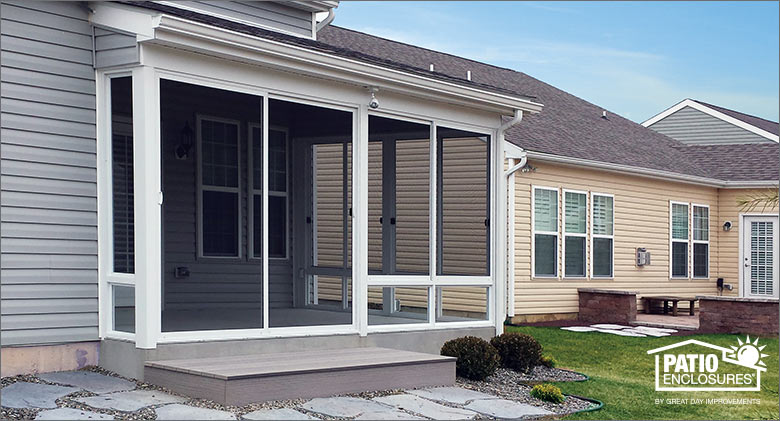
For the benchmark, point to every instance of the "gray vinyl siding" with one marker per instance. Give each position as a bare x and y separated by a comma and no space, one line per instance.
691,126
263,13
48,205
115,49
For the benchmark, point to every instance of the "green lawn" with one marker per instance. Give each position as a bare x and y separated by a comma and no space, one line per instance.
622,376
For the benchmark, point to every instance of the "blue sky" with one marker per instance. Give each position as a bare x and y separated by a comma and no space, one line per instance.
633,58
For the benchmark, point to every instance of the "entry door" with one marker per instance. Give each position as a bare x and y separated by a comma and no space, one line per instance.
760,256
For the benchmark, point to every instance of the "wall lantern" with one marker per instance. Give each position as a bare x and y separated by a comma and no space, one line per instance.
727,226
185,142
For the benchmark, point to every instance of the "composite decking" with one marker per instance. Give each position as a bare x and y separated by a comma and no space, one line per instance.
244,379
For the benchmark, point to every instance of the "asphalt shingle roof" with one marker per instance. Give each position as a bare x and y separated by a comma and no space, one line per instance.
567,126
737,162
761,123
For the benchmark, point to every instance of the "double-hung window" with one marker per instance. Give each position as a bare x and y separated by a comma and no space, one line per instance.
277,192
602,235
575,229
219,198
545,227
701,241
679,240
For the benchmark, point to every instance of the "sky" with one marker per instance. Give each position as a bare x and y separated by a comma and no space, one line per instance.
632,58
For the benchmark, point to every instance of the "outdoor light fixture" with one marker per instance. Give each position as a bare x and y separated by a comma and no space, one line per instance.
185,142
727,226
374,103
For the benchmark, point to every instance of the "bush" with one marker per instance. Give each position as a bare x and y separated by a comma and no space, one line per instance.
548,361
518,351
548,392
477,359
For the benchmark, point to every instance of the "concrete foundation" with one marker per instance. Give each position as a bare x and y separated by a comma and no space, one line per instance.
537,318
124,358
16,360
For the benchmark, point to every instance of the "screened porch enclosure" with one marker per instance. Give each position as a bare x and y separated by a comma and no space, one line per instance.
258,217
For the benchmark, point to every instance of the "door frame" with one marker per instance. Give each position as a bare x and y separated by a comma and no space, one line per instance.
745,218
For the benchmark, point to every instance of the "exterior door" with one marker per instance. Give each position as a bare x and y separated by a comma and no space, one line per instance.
760,256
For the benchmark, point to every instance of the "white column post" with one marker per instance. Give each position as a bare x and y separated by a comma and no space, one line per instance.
147,207
499,198
510,276
360,222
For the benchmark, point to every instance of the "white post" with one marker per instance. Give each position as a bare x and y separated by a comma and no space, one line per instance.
434,307
499,198
147,207
360,222
510,277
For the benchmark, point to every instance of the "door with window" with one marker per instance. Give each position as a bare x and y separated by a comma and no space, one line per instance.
760,256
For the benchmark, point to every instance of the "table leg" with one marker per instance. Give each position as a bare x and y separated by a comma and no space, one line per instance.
674,308
666,307
692,302
648,304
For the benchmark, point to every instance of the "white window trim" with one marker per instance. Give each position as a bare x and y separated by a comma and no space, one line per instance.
695,241
201,188
673,240
555,233
594,236
255,190
581,235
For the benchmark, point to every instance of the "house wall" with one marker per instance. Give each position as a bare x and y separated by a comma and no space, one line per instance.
641,219
691,126
115,49
48,205
268,14
728,255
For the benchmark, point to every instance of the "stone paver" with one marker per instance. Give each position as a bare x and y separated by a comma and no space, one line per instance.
186,412
502,408
456,395
277,414
647,332
71,414
33,395
130,401
391,414
88,380
623,333
425,407
580,328
343,407
609,326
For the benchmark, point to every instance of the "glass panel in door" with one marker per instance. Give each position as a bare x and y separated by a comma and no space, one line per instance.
760,260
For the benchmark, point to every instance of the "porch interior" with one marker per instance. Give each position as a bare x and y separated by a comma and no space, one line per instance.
212,179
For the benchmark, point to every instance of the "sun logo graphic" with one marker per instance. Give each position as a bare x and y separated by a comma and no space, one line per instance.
694,365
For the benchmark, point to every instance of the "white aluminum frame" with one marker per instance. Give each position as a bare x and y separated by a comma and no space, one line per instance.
252,190
593,236
744,284
579,235
673,240
694,241
556,233
201,187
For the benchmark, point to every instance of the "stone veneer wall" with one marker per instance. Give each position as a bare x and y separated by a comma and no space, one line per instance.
758,316
607,306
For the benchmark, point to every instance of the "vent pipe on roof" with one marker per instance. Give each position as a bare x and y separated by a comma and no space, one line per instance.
431,66
604,114
468,75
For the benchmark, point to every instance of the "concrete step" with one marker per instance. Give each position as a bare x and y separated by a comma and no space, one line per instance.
244,379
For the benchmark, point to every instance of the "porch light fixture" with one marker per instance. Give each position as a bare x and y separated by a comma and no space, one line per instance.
374,103
727,226
185,142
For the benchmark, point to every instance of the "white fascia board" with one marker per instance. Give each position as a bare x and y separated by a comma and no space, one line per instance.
513,151
313,6
712,112
124,18
174,31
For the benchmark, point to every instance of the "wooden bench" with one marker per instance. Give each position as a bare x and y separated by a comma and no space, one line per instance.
666,300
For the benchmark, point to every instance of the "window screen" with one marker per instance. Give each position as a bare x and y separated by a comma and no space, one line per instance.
603,235
219,147
122,201
575,228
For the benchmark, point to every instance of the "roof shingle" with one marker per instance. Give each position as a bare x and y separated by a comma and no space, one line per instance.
761,123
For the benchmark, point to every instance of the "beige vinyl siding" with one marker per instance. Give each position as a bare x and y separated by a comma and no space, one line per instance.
641,219
728,253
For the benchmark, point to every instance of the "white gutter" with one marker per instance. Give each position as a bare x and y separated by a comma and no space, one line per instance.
518,117
650,173
326,21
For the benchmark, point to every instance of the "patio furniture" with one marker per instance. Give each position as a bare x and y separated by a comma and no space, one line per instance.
666,300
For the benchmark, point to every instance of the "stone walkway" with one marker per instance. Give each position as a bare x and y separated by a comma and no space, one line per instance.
620,330
87,395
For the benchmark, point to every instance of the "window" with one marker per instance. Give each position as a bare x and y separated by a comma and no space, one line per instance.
219,187
602,235
545,227
123,216
575,228
701,241
679,240
277,192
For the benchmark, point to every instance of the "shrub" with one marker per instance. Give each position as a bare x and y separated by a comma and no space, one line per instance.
518,351
477,359
548,361
548,392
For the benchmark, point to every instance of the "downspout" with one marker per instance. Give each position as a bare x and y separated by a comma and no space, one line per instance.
326,21
506,292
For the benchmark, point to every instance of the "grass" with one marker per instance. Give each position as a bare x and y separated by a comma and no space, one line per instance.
622,376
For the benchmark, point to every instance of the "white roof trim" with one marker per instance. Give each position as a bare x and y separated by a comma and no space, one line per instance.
715,113
513,151
651,173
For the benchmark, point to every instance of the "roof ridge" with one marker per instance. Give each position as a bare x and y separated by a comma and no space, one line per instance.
733,111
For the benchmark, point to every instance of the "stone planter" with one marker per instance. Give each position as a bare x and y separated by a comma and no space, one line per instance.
607,306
